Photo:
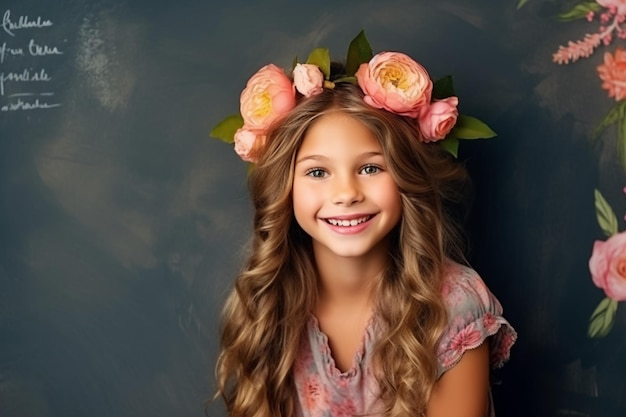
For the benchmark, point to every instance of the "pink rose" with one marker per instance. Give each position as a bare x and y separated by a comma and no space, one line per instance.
620,5
308,79
248,144
438,119
395,82
608,266
268,96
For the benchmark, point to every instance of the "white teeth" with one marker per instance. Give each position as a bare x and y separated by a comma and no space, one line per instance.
346,223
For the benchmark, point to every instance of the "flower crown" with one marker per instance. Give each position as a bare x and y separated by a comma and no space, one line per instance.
390,80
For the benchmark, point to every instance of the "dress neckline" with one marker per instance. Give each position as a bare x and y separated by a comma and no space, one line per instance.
357,360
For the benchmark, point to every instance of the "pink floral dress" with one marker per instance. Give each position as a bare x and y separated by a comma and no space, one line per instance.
474,315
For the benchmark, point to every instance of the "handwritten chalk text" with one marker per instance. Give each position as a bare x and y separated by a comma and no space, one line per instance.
6,50
42,50
24,76
34,49
23,22
21,88
26,105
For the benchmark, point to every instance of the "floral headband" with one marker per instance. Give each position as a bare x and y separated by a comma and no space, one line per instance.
390,80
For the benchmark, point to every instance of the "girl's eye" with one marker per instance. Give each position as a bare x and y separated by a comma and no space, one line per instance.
370,169
316,173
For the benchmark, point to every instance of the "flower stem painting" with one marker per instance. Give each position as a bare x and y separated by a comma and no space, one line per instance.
608,17
608,269
607,264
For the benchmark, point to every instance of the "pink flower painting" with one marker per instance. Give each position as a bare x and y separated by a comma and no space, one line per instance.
608,266
613,74
609,18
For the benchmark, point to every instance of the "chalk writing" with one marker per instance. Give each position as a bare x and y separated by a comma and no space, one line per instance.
25,105
23,22
24,76
6,50
21,88
42,50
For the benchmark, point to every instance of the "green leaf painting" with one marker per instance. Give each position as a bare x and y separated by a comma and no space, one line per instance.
606,217
580,11
621,142
617,113
602,319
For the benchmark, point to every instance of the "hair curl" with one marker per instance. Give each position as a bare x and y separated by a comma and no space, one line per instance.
267,310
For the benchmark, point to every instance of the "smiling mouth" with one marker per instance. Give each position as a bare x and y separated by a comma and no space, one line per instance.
348,223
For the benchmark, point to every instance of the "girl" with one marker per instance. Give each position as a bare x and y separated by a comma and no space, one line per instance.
352,302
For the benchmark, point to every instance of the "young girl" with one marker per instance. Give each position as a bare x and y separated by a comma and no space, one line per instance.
352,301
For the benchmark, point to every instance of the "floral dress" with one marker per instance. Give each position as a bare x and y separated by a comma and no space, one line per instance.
474,315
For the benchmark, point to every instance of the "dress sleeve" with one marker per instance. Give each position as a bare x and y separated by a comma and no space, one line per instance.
474,314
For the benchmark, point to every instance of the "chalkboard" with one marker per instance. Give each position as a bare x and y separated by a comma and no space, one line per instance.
122,224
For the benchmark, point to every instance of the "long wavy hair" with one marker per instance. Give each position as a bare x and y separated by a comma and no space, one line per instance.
266,313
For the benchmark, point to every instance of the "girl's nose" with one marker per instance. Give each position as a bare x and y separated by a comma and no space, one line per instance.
346,191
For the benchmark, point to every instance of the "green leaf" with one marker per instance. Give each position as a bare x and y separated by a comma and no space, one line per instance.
468,127
321,58
579,11
451,144
359,52
225,130
521,3
602,319
443,87
617,113
605,214
351,80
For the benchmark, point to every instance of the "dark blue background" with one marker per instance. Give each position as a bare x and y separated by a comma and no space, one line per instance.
122,224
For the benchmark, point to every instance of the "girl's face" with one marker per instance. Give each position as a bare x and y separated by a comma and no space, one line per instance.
343,195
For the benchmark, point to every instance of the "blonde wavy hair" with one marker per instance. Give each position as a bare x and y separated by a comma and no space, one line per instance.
266,313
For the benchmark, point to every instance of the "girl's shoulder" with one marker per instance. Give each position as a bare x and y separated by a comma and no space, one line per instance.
474,315
462,287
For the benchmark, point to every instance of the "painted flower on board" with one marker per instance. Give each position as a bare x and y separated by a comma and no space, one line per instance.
438,119
608,266
618,5
269,95
395,82
308,79
613,74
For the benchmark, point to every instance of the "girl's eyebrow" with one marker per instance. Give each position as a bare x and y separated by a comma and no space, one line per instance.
314,157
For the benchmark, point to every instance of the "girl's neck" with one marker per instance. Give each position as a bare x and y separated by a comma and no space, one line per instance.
349,281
